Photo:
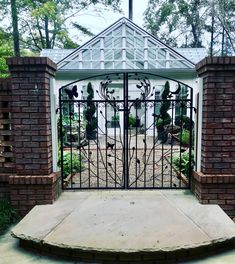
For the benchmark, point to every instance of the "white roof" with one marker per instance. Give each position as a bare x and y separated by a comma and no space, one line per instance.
124,45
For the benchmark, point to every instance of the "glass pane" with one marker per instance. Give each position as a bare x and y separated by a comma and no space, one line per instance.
118,54
96,65
86,65
151,44
161,54
117,65
139,54
161,64
152,54
108,54
96,45
139,42
129,31
151,64
117,42
117,31
95,54
130,42
130,55
108,42
130,65
139,64
177,64
108,65
86,55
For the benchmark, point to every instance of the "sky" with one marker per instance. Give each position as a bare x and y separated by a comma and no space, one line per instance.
97,23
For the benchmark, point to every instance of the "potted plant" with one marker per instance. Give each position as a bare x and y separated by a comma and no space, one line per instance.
89,114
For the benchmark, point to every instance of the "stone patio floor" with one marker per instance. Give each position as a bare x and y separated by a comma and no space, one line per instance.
121,221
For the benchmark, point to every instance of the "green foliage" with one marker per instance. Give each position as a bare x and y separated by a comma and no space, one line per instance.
184,137
115,118
5,51
164,118
187,23
131,120
7,215
89,114
182,163
161,122
72,163
46,24
184,121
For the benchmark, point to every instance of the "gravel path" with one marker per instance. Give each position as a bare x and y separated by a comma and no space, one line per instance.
147,165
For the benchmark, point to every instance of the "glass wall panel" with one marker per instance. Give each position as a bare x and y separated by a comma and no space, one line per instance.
130,54
86,55
118,54
117,42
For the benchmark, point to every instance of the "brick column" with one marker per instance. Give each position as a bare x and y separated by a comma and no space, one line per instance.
34,182
215,182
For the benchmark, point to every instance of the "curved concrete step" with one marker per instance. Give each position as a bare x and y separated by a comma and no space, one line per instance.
127,226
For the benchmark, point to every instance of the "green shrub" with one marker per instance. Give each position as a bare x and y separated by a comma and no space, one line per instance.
77,165
163,122
184,121
131,120
90,114
184,137
182,163
7,215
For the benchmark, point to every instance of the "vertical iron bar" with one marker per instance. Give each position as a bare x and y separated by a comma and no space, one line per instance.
70,139
136,149
106,150
145,141
172,118
115,144
61,138
79,141
162,164
97,144
126,114
154,121
190,138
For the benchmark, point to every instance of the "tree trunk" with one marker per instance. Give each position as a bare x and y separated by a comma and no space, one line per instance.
16,38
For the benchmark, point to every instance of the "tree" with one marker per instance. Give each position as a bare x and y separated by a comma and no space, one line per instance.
5,51
175,21
44,23
189,23
16,37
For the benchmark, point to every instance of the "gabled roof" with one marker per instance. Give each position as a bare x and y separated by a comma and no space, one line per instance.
123,45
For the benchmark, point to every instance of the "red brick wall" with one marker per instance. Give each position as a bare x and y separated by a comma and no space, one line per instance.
28,191
32,182
7,164
216,181
31,114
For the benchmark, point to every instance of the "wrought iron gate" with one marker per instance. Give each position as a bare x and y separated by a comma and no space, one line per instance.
125,131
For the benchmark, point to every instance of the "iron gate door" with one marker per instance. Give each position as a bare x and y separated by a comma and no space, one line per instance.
125,131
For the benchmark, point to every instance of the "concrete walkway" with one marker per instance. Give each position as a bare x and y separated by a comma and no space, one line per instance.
136,226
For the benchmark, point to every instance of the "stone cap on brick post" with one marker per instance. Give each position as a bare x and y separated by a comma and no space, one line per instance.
31,115
218,119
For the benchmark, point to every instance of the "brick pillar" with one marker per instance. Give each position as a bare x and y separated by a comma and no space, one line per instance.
34,182
215,182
